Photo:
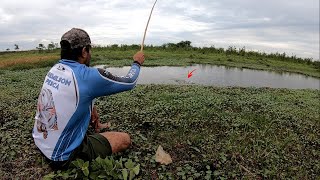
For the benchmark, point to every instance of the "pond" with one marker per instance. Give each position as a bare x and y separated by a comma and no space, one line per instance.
219,76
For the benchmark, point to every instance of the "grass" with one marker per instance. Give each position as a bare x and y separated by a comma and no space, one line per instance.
27,59
167,57
249,133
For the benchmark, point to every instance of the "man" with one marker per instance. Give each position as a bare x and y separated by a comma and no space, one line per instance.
65,104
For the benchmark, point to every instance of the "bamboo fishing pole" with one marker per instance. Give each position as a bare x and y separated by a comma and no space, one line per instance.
145,31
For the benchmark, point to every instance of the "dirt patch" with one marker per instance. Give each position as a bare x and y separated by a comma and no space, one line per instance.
26,60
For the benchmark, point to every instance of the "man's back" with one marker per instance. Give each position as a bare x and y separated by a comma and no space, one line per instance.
58,113
65,104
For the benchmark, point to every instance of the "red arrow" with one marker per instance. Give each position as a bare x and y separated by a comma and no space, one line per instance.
190,73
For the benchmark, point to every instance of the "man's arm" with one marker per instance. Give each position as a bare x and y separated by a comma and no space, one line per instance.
95,121
104,83
129,78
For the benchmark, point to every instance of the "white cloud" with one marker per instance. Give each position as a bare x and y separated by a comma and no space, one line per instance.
271,26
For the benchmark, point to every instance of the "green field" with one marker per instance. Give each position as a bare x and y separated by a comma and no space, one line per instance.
210,132
157,56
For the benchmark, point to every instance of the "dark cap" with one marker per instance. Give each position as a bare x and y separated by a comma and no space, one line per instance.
77,38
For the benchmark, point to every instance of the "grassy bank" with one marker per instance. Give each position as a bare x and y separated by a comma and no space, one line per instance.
221,132
166,57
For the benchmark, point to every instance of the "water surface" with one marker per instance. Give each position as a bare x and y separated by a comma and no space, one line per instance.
220,76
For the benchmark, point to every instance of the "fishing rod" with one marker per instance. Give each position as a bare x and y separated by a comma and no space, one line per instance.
145,31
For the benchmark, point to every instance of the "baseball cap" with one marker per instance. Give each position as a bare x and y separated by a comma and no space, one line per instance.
77,38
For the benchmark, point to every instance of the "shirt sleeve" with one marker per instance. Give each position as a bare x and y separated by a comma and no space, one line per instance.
104,83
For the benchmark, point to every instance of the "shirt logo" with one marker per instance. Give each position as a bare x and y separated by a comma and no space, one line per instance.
61,68
46,116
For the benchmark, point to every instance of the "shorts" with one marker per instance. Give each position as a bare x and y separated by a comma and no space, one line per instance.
92,146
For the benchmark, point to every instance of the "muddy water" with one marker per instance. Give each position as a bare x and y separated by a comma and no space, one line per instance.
220,76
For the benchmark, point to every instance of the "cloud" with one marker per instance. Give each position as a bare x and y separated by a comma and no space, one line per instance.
271,26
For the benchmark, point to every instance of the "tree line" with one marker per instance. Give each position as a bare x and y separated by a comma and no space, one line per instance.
40,47
186,46
231,50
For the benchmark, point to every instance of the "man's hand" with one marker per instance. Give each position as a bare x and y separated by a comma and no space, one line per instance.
139,56
95,121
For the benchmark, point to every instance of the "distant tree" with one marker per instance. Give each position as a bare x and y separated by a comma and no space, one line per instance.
51,46
171,45
96,46
181,44
114,46
40,47
124,47
8,49
134,46
184,44
16,47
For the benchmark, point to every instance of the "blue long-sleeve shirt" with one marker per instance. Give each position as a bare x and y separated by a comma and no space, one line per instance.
65,103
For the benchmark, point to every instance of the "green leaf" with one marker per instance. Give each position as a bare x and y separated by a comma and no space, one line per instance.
118,164
108,164
98,160
196,149
85,172
49,176
136,169
86,164
102,176
129,164
131,176
189,143
94,175
65,175
125,174
142,137
216,173
78,163
95,165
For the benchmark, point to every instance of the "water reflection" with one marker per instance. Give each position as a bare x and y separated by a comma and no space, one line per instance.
220,76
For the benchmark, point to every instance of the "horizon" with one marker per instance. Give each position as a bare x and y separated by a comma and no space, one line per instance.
146,45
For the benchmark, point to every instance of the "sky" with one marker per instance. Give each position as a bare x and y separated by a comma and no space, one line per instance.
290,26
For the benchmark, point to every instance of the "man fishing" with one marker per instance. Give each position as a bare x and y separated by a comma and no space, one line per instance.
65,104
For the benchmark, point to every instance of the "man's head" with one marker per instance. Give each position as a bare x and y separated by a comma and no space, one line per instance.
76,45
